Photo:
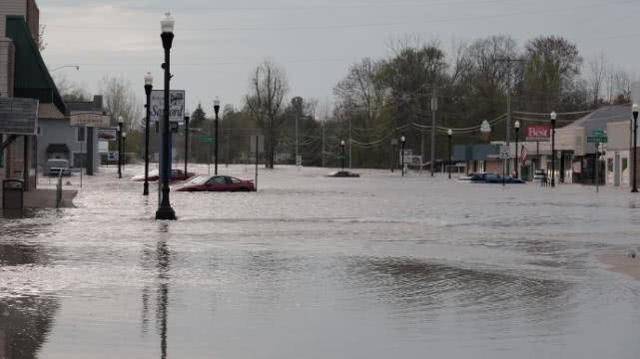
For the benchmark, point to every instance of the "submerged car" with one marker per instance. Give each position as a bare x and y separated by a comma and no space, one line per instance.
217,184
176,175
343,174
497,179
57,167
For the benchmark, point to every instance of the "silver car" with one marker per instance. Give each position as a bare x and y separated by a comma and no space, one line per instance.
57,166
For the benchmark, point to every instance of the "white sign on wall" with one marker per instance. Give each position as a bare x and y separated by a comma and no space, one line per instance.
176,105
89,120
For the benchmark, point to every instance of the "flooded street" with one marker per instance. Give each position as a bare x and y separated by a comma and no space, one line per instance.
315,267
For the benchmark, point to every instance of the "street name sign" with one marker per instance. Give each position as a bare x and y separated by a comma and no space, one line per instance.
18,116
598,136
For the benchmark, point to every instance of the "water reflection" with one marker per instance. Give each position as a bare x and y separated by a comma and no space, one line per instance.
25,319
158,259
417,288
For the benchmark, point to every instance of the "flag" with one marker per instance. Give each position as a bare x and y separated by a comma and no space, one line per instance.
523,154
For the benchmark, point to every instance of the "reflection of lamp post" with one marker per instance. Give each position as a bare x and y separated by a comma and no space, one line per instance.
342,143
450,134
165,212
553,116
120,124
216,109
634,187
402,142
517,127
148,86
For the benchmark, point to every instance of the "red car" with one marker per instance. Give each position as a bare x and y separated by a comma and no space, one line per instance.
217,184
176,175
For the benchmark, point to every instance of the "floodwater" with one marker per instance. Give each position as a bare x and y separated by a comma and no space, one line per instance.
314,267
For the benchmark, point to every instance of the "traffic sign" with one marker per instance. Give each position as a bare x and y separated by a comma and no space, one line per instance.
206,139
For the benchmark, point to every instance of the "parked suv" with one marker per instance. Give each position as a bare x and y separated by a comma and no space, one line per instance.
55,166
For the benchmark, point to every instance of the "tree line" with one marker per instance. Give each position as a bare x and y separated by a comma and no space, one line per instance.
379,100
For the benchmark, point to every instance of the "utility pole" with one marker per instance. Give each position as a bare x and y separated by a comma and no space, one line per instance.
434,108
322,154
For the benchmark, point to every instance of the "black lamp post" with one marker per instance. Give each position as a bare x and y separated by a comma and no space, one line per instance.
216,109
402,141
120,124
342,144
634,185
517,127
450,134
165,212
124,150
553,148
148,86
186,144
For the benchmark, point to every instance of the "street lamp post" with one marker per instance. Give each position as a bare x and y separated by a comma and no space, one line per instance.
120,124
148,86
553,148
124,150
402,142
342,144
517,127
216,109
634,187
165,212
450,134
186,144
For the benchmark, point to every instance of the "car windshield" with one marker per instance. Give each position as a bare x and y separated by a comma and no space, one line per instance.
199,180
57,163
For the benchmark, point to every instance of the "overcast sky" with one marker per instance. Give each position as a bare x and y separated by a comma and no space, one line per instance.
218,43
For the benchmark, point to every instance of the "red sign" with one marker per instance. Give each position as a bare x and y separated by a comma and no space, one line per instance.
538,132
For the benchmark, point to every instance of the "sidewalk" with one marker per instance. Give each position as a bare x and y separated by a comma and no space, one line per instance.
46,198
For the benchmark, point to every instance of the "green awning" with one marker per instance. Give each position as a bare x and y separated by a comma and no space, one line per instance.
32,78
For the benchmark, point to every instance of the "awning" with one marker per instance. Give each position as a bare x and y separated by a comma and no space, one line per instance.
57,148
32,78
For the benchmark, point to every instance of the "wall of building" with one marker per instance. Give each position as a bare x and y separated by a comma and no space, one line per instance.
60,132
11,7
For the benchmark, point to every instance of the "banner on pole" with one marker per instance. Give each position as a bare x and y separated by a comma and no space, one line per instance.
176,105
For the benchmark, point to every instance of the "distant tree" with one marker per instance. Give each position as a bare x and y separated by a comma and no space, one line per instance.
70,91
120,100
198,117
268,87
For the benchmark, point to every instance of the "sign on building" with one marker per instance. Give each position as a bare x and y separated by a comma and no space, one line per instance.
107,134
89,120
176,105
538,133
18,116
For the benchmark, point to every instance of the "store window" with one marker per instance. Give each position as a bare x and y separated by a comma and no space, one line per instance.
81,134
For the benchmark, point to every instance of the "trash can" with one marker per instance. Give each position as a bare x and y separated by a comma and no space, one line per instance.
12,194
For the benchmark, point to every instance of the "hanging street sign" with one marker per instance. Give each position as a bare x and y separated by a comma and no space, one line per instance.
18,116
176,105
206,139
598,136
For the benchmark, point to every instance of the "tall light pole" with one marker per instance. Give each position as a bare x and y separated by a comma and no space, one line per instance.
186,144
342,144
216,109
120,124
434,108
634,183
148,86
296,159
517,128
124,150
165,211
402,142
553,148
450,134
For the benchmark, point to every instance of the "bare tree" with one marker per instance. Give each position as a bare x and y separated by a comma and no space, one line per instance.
268,87
597,76
120,100
71,91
